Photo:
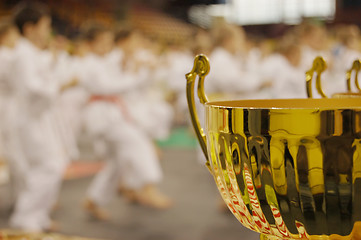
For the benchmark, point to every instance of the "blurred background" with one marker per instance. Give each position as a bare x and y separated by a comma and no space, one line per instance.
259,16
267,44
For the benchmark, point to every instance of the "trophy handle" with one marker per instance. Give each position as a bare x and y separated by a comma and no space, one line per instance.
319,65
200,68
356,66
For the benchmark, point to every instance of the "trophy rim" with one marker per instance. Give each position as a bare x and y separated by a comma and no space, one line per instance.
306,103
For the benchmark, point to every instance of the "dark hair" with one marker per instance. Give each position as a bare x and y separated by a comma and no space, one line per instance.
29,12
123,34
90,30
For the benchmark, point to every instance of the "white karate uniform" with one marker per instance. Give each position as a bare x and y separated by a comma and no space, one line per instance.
229,74
147,106
287,80
8,145
70,103
6,92
177,65
127,146
343,59
308,55
254,58
40,160
155,114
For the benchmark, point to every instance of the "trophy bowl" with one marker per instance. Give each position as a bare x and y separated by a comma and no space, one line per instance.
288,169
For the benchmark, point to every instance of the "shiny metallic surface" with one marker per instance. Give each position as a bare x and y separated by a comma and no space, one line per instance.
319,66
201,69
289,169
356,67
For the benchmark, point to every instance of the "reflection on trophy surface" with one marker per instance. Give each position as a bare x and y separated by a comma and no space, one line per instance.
289,169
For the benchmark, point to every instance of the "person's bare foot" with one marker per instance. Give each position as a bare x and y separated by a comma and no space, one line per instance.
95,211
130,195
151,197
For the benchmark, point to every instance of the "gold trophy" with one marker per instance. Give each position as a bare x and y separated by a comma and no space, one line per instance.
319,66
288,169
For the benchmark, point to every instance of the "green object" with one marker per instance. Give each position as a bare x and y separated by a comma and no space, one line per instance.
181,137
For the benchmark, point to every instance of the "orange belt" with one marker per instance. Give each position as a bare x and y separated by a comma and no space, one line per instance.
112,99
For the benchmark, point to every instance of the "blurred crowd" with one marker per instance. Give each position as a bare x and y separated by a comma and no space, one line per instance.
124,91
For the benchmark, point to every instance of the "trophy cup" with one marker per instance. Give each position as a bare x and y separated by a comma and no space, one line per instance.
288,169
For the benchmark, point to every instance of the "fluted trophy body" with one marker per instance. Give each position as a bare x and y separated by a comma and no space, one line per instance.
288,169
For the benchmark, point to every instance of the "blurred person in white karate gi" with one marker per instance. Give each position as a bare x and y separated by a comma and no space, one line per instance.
9,36
147,101
178,58
149,107
259,48
345,52
314,42
130,154
229,76
283,69
40,160
72,97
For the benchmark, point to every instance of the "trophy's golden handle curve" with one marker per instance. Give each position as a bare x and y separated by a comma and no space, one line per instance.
200,68
319,65
356,66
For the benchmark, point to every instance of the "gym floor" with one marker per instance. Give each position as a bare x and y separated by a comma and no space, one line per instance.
196,215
